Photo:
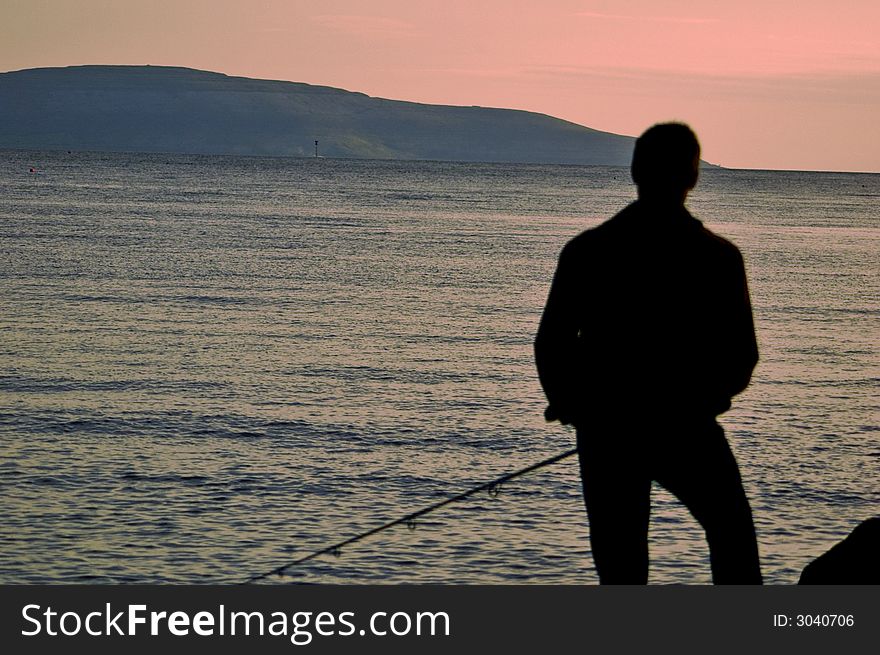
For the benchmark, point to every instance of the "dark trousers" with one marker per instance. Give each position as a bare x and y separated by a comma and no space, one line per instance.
690,459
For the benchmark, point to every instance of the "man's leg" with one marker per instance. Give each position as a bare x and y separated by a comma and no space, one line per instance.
700,469
617,494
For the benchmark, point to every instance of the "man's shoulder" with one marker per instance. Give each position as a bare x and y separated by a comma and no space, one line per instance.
633,223
601,235
723,247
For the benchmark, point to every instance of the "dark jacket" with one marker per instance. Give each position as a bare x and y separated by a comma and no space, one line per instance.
648,313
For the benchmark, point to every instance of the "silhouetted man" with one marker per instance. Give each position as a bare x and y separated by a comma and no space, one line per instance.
646,336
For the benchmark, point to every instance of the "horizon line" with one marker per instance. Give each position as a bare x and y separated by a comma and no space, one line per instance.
438,161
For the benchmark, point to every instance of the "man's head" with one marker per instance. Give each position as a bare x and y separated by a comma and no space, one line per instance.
666,162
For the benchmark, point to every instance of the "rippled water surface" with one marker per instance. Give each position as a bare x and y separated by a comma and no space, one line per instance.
212,365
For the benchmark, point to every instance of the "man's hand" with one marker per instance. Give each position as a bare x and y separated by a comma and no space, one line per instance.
550,415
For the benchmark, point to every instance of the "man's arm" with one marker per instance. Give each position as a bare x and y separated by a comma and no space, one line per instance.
744,346
724,367
556,342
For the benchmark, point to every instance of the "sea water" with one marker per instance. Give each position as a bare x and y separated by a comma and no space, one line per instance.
210,366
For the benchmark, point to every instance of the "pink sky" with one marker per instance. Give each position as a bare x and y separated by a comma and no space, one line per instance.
765,83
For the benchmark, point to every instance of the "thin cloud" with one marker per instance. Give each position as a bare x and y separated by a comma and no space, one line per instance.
509,72
358,25
826,87
684,20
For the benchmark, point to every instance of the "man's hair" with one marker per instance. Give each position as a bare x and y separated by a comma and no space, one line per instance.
666,158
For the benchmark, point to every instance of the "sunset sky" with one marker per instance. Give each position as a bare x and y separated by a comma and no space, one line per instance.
789,84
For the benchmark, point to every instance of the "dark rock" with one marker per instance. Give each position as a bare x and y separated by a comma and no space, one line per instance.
855,560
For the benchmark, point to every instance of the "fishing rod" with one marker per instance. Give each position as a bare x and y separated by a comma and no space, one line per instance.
492,486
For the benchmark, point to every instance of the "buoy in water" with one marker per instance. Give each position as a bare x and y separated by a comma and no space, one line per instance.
33,170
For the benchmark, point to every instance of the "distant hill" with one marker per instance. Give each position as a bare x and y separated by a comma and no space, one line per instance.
166,109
